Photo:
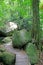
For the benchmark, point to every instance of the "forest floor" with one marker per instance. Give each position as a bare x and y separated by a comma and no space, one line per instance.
21,56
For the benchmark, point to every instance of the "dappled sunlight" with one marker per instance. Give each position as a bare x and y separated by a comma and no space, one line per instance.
10,26
13,25
41,1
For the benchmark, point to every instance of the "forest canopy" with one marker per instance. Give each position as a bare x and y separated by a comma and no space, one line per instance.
17,11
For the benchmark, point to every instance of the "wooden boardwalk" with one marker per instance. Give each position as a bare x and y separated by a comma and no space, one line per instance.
21,56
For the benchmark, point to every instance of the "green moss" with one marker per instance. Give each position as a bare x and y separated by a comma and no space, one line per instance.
8,58
1,53
20,38
32,53
6,40
2,49
10,33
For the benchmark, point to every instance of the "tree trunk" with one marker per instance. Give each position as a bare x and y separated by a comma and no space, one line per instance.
36,22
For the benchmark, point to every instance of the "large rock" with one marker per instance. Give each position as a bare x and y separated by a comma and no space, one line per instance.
20,38
32,53
1,52
8,58
8,28
2,49
6,40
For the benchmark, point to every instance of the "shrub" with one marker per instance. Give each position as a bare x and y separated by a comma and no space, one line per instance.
20,38
8,58
1,53
0,56
32,53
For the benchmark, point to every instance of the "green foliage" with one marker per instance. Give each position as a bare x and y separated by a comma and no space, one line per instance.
0,56
32,53
8,58
6,40
41,17
10,33
1,53
2,49
13,8
20,38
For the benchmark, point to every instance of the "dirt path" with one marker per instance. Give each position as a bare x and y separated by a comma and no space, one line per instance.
21,56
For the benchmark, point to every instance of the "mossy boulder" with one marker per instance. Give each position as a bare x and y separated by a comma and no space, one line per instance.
32,53
6,40
20,38
1,53
8,58
5,31
2,49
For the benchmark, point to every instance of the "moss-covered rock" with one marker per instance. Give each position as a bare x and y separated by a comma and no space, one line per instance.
2,49
20,38
1,53
5,31
8,58
32,53
6,40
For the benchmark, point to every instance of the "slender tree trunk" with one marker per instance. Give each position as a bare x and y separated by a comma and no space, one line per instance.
36,22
